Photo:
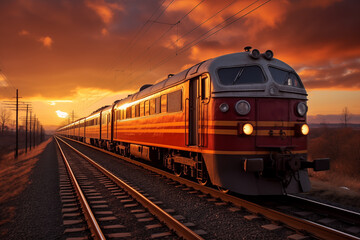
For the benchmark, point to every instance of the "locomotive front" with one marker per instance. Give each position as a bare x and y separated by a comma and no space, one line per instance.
257,134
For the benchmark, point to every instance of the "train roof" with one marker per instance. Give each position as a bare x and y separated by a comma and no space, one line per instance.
211,66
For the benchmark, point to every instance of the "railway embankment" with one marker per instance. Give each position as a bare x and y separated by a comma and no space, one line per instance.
29,194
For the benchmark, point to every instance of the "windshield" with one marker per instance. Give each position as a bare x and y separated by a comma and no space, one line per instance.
241,75
287,78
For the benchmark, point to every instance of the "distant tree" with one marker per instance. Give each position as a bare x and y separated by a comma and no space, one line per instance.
5,116
346,115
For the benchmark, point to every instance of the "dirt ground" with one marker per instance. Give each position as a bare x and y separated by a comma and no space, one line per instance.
14,177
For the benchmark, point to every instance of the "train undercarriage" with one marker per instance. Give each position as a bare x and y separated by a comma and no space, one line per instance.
279,172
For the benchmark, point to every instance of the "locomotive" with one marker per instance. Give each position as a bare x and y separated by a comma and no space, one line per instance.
237,121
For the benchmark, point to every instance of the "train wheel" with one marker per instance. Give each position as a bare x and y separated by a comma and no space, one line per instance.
203,182
178,169
223,190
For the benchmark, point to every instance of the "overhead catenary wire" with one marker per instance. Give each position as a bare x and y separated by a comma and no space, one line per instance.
172,25
204,37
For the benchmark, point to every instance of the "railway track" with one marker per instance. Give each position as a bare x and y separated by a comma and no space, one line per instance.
299,223
99,190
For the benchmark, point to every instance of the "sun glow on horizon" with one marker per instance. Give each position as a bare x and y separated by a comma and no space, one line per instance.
62,114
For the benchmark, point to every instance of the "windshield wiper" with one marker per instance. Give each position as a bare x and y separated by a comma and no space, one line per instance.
238,75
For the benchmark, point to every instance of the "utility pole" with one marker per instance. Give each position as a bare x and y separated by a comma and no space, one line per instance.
26,128
34,130
17,124
30,130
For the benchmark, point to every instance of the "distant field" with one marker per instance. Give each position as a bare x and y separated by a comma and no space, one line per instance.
8,142
342,146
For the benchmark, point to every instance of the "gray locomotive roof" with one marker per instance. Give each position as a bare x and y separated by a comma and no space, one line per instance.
211,66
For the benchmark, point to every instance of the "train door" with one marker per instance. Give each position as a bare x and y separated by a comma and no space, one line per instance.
108,125
197,110
204,99
193,112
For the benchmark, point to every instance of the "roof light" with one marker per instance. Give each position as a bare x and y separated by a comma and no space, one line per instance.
255,54
268,54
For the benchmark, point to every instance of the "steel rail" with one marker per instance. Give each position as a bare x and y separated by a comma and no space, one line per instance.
298,224
345,214
180,229
89,216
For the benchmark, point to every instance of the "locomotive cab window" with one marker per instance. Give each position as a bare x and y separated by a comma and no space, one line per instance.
205,88
241,75
287,78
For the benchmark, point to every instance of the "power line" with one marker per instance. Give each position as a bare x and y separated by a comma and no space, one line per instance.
195,42
127,48
235,20
164,33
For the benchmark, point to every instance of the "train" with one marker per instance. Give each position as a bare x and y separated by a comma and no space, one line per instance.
237,122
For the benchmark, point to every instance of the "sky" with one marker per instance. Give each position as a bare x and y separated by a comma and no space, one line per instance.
70,57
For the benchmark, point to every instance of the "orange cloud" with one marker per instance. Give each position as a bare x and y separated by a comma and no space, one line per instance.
104,9
23,33
46,41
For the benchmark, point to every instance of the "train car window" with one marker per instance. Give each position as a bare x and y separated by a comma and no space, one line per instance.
163,103
157,105
141,109
174,101
241,75
133,111
152,106
285,77
137,110
128,112
147,107
205,88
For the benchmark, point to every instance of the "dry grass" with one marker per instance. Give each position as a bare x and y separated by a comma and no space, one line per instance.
335,188
342,182
14,177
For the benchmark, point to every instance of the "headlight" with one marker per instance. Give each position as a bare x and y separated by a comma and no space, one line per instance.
304,129
301,109
224,107
248,129
242,107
